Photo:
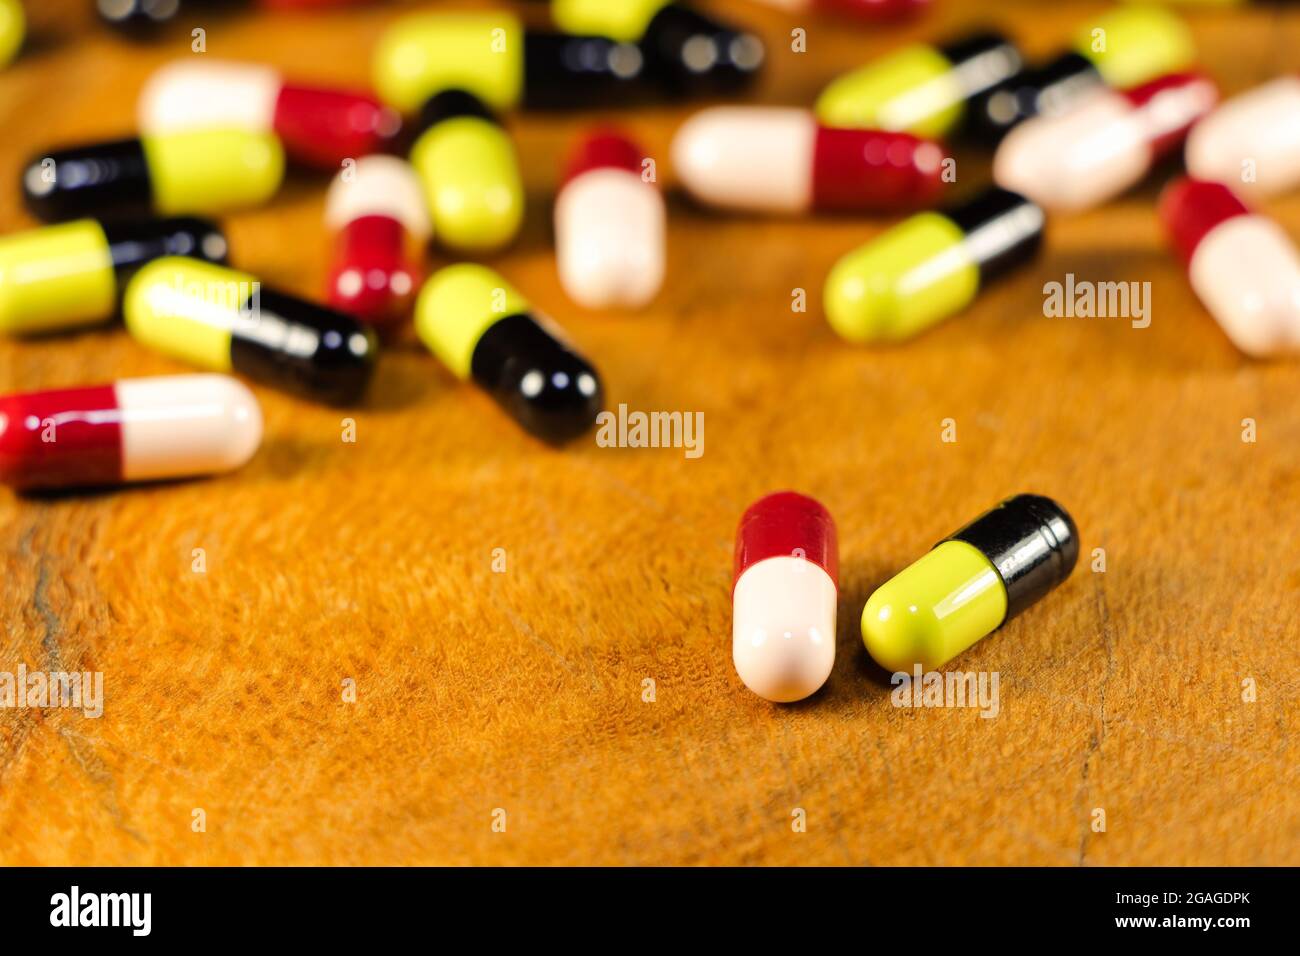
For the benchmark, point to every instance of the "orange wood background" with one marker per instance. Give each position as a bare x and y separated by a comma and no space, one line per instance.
523,690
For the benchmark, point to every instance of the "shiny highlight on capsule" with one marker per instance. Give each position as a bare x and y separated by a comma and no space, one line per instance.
1252,141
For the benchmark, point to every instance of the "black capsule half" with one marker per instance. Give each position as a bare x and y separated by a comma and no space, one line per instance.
109,178
689,54
564,71
1044,89
1031,541
132,243
140,18
303,347
552,391
1003,230
980,61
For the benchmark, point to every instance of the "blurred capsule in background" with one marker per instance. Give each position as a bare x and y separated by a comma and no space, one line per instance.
1123,48
482,329
857,9
13,27
317,126
686,52
223,320
491,55
198,171
137,429
69,275
609,225
778,159
1252,141
930,266
377,211
470,173
1243,267
141,18
1104,143
920,88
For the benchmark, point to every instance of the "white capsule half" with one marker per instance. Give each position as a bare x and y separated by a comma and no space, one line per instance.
610,239
783,631
379,186
1252,142
191,94
748,157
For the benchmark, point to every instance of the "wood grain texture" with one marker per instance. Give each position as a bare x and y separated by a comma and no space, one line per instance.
523,690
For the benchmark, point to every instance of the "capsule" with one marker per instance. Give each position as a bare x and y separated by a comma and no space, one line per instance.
136,429
686,52
970,584
855,9
784,595
13,27
491,55
779,160
317,126
481,328
141,18
198,171
1124,48
1252,141
223,320
609,225
69,275
378,213
470,173
930,266
1242,266
1104,144
919,89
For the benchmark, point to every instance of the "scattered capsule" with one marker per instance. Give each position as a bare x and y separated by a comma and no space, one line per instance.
223,320
919,89
481,328
1252,141
470,173
13,27
609,226
198,171
141,18
1123,48
686,52
1102,145
970,584
930,266
1242,266
784,595
136,429
491,55
69,275
857,9
377,209
778,159
317,126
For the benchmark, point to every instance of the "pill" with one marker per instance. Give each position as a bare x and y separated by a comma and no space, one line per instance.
377,210
778,159
784,595
1103,144
1252,141
13,27
1243,267
317,126
470,173
930,266
197,171
482,329
920,89
609,225
69,275
859,9
970,584
1123,48
136,429
686,52
141,18
491,55
224,320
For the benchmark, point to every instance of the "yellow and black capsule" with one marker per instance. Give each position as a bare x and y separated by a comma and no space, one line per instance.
194,171
225,320
69,275
483,329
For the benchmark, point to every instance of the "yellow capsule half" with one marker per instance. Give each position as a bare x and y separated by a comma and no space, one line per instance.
1132,45
56,277
913,90
188,309
13,27
622,20
212,170
457,305
471,180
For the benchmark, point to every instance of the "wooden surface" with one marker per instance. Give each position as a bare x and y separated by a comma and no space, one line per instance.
523,690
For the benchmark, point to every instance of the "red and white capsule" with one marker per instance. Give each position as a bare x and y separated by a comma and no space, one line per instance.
1104,144
784,597
1243,267
137,429
318,126
378,211
609,225
778,159
1252,141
